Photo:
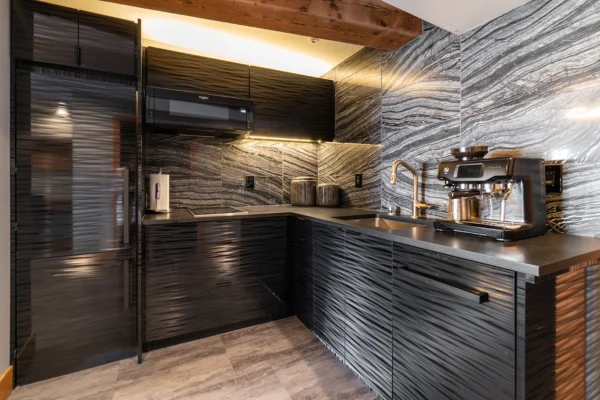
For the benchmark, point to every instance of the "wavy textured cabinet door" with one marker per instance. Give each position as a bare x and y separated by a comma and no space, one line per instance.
263,259
44,32
74,137
303,270
206,277
291,105
107,44
73,313
330,278
445,346
180,71
369,311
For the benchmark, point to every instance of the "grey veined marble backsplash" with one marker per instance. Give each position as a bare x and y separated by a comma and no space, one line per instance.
207,173
525,84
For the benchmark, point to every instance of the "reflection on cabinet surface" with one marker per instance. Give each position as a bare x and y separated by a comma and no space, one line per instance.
74,313
75,158
208,277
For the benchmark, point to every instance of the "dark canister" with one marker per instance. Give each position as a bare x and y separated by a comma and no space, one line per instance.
328,195
303,191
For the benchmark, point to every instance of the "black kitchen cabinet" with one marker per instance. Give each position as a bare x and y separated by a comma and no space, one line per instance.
263,260
454,328
44,32
208,277
74,313
303,270
76,159
291,106
107,44
330,279
63,36
368,344
203,75
75,147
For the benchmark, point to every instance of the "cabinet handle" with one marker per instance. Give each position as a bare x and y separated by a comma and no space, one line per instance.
453,288
126,205
126,284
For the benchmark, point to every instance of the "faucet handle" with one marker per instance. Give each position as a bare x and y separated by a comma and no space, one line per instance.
424,206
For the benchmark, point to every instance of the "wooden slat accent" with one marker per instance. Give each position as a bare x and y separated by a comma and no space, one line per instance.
370,23
6,381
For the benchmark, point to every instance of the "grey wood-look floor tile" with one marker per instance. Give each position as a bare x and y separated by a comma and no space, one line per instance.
317,374
92,384
280,360
198,367
257,346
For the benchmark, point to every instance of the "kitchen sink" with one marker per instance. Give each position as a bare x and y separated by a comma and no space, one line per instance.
381,221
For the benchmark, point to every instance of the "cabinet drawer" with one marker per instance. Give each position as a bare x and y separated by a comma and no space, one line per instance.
450,340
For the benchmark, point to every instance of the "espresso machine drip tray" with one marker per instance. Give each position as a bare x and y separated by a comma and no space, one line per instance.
505,232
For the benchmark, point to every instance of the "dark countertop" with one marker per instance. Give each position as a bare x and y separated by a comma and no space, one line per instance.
536,256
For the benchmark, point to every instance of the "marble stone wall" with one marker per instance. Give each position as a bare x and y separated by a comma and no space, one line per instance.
208,173
205,172
526,83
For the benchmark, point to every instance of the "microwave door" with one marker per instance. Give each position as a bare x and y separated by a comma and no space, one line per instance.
201,115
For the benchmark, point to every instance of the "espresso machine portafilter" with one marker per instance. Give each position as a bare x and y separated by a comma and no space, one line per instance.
502,198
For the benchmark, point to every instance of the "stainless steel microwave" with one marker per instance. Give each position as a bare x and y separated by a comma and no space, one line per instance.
179,112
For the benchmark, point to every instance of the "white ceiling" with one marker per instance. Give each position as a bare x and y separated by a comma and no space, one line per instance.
242,44
457,16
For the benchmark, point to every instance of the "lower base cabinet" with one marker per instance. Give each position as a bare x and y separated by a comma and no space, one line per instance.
302,263
207,277
329,303
454,328
368,344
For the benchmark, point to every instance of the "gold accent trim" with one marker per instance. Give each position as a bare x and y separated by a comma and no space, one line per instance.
6,383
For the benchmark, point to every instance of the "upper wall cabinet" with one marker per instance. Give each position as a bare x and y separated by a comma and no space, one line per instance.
44,32
51,34
180,71
107,44
291,106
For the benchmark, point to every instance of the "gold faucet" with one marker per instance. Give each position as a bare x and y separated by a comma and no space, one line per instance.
416,205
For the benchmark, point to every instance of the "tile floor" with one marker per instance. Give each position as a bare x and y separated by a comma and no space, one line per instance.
276,360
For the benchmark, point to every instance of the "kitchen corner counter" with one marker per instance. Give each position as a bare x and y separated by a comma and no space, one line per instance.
536,257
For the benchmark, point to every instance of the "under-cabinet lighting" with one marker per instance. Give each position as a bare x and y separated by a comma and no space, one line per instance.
280,139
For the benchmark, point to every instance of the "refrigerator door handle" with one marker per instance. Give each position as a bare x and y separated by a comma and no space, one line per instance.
126,205
126,284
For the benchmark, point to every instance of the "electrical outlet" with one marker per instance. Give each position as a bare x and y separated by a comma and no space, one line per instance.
249,182
358,180
554,177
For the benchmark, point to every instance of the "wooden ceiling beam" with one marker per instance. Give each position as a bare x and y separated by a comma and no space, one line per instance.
370,23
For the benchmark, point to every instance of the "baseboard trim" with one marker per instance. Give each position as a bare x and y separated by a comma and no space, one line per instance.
6,383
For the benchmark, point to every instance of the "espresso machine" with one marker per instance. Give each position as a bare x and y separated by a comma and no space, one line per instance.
501,198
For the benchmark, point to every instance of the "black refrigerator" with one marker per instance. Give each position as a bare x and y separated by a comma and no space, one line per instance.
75,205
